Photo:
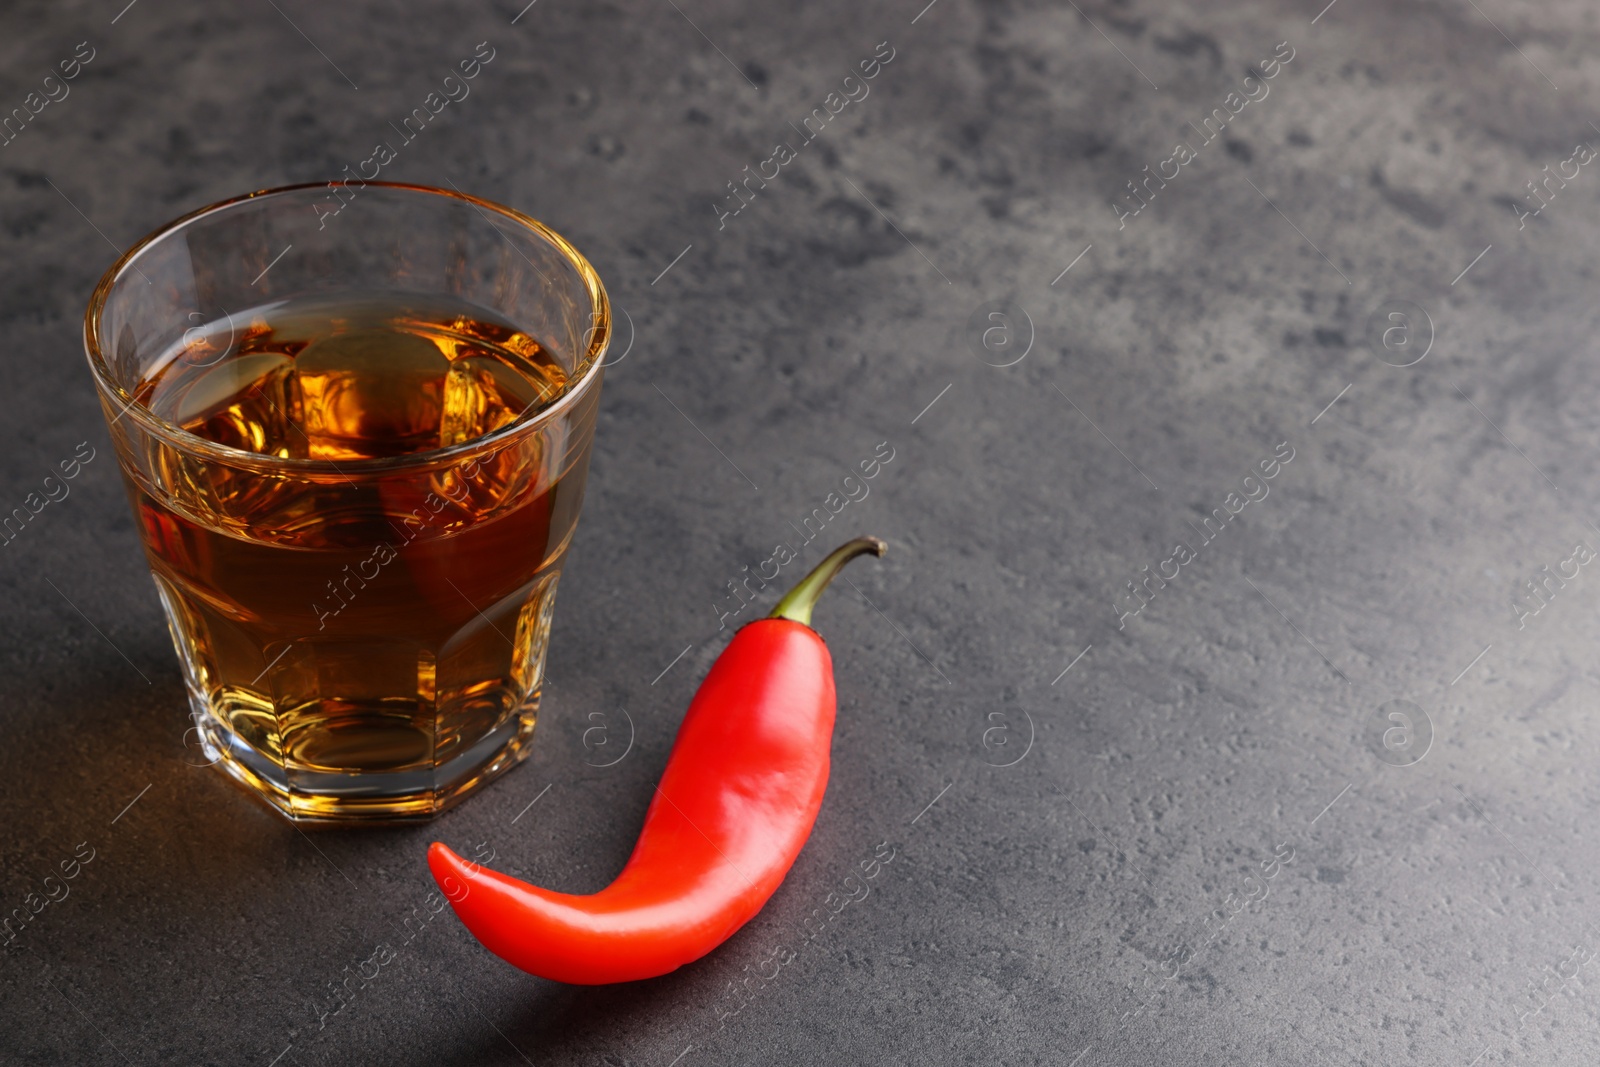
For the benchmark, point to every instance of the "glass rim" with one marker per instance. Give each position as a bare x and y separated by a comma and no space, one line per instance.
592,361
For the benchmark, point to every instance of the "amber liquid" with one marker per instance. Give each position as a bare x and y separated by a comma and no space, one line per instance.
361,642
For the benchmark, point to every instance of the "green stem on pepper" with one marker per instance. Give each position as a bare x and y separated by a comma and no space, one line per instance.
798,602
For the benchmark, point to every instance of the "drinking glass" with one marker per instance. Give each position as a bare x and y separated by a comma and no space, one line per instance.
355,526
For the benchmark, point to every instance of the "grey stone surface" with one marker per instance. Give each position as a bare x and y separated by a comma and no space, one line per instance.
1078,906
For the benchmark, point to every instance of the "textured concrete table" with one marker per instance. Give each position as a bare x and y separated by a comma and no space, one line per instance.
1318,790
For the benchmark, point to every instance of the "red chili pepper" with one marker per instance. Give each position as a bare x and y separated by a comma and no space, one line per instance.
732,811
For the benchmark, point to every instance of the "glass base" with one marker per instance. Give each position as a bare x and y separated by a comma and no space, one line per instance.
369,799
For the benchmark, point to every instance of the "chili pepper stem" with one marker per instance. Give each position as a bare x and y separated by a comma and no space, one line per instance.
797,603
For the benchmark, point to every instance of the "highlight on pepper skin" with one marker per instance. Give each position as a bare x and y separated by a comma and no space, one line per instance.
731,813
